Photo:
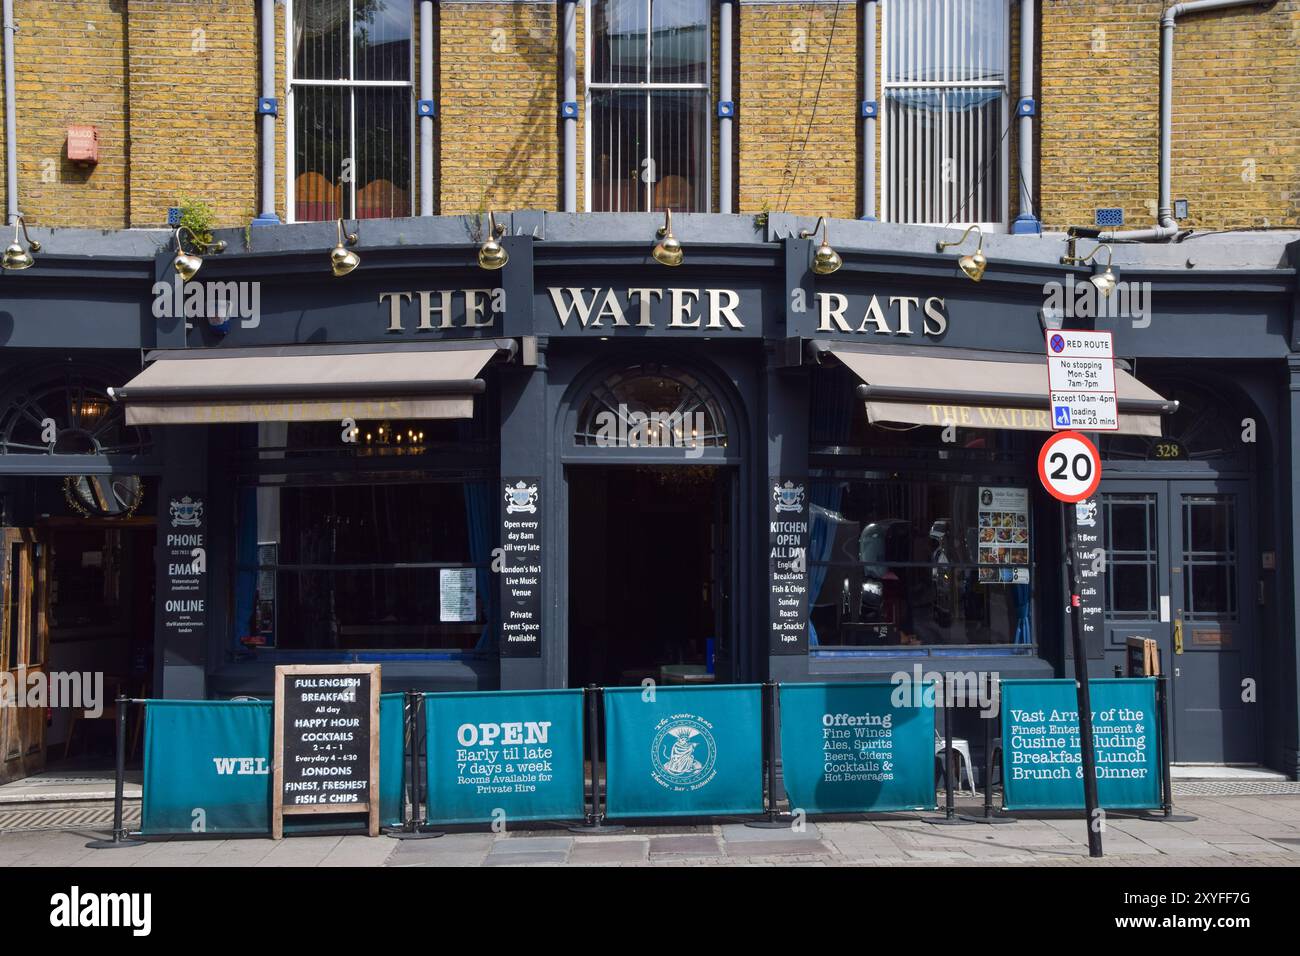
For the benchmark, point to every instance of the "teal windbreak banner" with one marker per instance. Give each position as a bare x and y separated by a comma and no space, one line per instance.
392,762
848,748
1043,768
207,767
683,751
510,755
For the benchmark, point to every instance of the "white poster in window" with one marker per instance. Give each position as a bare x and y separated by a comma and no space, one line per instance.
457,596
1004,535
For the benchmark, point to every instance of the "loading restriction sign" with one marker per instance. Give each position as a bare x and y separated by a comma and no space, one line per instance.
1069,467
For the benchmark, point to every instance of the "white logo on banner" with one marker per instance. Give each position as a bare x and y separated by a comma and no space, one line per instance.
684,753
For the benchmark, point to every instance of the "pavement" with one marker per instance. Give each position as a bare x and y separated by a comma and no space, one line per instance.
1229,831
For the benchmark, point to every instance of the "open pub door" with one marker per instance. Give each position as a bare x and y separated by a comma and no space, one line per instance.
24,654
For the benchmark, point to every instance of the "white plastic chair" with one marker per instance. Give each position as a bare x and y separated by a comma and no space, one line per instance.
962,748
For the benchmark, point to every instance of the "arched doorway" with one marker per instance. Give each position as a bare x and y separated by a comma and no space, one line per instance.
651,464
1178,517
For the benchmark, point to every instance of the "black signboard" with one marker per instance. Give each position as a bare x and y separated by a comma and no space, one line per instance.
326,741
521,567
184,572
788,532
1092,577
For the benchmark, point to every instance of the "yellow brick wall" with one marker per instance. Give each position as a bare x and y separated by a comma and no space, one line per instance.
193,85
190,128
1236,142
798,147
498,125
70,60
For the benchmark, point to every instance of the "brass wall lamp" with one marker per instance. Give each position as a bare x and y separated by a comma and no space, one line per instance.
492,255
1106,280
974,264
667,251
342,259
825,260
187,264
16,258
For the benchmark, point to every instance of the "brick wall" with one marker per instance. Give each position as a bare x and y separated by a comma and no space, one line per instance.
69,61
170,84
797,106
498,126
1236,142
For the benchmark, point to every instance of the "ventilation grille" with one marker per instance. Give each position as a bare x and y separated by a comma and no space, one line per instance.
1109,216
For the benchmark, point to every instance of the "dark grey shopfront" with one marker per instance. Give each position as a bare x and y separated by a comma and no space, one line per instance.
532,523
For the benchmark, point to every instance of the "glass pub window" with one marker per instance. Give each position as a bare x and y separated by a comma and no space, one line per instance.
944,122
648,70
351,115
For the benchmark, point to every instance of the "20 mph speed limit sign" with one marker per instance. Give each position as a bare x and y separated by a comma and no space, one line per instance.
1069,466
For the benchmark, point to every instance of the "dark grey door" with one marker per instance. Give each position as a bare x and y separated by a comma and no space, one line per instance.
1180,571
1213,590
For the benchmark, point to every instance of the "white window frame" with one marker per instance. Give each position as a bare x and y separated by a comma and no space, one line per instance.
647,88
290,193
1004,86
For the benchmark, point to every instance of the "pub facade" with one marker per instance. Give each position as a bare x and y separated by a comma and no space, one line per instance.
585,466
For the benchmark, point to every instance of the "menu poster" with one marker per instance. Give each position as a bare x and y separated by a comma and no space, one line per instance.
521,569
788,538
1089,543
326,756
1003,535
457,595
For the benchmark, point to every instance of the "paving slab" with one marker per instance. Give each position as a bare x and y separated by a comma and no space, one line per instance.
533,845
743,848
740,833
609,851
685,846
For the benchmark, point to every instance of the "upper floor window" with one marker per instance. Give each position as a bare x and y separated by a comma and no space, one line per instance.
648,134
351,116
944,111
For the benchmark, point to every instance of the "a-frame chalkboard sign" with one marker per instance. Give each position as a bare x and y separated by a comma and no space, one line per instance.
326,742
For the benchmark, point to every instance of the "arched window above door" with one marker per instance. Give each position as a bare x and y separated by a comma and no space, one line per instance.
649,405
1205,429
67,411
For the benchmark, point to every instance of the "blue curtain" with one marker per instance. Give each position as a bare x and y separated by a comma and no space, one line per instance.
832,408
1020,595
479,514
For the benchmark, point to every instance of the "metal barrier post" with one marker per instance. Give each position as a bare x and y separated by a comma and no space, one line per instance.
595,822
1167,814
949,817
990,815
119,786
772,820
413,828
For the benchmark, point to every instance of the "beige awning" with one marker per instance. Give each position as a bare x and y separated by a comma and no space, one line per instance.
979,390
306,384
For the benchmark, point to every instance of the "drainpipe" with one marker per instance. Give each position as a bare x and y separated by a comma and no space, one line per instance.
425,108
11,125
1166,225
726,105
268,107
569,105
1026,223
870,109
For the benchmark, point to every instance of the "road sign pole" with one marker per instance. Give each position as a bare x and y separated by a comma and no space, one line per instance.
1081,687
